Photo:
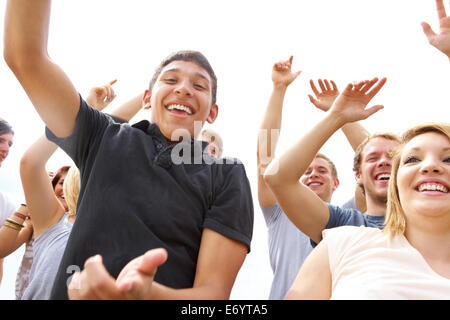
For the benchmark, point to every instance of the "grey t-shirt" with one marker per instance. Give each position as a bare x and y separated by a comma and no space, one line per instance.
48,249
288,249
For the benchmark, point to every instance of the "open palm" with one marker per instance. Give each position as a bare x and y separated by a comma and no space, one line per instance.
351,104
439,40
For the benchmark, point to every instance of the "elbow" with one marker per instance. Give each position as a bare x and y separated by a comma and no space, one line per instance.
271,178
27,164
22,61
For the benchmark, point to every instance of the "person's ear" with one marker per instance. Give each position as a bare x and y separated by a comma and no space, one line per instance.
358,178
146,99
213,112
335,184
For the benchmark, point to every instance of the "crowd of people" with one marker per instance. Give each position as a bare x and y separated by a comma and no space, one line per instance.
182,229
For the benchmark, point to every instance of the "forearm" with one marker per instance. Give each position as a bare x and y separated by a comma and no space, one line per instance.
290,166
355,134
211,292
37,155
270,126
11,239
129,109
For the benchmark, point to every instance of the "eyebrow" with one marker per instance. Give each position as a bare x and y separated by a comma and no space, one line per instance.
319,167
418,149
198,74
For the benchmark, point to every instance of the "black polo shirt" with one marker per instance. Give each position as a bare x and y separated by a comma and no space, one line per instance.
133,198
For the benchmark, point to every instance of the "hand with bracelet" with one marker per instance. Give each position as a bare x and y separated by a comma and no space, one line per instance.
16,230
17,219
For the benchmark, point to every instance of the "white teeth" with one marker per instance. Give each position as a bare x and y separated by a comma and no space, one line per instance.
432,187
384,176
315,184
180,107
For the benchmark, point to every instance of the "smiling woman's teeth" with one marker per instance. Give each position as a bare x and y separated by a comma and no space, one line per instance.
433,187
180,107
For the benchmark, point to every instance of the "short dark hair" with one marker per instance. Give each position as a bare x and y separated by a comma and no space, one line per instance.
5,127
58,175
192,56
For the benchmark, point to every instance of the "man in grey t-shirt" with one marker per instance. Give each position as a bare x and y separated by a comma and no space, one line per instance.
288,246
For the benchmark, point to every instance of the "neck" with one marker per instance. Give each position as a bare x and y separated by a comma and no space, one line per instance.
375,207
431,237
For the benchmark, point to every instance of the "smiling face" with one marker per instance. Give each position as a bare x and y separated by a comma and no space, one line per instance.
6,141
59,192
375,169
181,94
423,177
318,177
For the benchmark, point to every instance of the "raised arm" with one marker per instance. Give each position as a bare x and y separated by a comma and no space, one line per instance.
441,40
354,131
305,209
282,77
45,208
100,97
25,51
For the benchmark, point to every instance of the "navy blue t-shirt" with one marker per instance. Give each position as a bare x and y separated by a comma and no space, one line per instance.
351,217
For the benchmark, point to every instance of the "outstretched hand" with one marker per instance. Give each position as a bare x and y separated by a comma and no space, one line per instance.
282,74
324,99
100,97
134,281
351,104
440,40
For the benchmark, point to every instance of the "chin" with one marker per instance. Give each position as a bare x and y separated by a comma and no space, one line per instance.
428,208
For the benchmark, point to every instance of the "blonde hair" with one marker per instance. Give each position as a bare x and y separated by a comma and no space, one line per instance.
395,222
71,188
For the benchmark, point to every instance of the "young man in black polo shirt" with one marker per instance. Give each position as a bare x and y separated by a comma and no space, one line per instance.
134,195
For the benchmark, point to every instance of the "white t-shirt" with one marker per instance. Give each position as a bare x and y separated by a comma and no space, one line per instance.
366,263
7,207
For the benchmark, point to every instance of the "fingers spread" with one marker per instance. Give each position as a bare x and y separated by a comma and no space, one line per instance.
377,88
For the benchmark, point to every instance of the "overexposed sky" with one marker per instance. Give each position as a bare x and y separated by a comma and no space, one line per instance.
96,41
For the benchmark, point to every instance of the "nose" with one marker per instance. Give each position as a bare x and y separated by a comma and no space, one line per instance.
385,161
431,164
314,173
183,89
4,147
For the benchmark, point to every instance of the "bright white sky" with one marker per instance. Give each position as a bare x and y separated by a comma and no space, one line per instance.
100,40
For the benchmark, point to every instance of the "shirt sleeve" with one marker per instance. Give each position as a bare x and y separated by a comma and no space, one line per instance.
271,214
7,207
342,217
231,211
90,125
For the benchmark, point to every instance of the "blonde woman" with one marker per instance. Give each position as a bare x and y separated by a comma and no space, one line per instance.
410,257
